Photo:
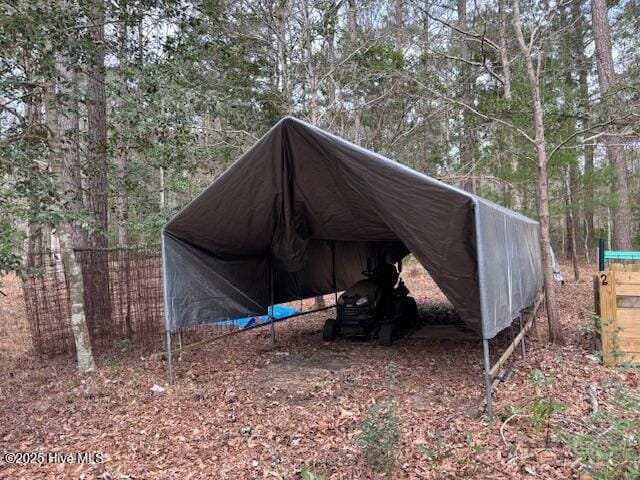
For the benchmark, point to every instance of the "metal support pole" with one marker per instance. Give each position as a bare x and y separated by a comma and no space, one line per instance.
333,275
270,308
601,249
523,345
169,357
487,377
180,341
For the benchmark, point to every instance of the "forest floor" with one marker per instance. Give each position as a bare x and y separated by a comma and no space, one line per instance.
242,409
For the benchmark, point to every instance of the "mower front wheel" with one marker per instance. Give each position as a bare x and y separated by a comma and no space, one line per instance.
329,330
385,334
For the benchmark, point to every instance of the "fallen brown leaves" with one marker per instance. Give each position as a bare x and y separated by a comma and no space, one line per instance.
243,409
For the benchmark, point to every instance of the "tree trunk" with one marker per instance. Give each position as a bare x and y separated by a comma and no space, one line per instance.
75,284
352,22
99,309
583,68
319,302
333,90
467,79
68,126
35,238
122,157
572,225
281,17
504,52
398,30
73,273
570,88
426,37
97,126
555,329
615,154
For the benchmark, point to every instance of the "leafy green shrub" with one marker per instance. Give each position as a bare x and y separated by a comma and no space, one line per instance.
438,452
380,432
542,409
609,448
309,475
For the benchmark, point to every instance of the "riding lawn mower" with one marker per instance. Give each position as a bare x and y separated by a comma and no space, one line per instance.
378,305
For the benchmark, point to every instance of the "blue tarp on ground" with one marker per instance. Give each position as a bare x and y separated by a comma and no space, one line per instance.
279,311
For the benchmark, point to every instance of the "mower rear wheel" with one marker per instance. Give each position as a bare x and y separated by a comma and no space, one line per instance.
410,312
385,334
329,330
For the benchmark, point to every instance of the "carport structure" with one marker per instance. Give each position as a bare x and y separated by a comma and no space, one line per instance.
299,214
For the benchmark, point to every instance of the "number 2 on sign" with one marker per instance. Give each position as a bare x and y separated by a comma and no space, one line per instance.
603,276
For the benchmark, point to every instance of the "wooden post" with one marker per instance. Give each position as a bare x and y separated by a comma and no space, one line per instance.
507,353
607,297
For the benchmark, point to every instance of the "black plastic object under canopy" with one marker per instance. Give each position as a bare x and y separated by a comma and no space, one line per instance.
302,201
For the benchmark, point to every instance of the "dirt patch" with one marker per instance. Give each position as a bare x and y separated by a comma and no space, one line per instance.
296,377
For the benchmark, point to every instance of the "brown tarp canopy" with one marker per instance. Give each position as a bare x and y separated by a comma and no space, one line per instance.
303,210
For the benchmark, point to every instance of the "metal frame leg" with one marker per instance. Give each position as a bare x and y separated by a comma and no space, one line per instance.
169,357
270,308
487,378
273,326
333,275
523,345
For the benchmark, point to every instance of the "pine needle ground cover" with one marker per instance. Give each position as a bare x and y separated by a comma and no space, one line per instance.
243,409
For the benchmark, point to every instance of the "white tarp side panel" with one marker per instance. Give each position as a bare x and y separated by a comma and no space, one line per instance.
512,266
300,190
201,288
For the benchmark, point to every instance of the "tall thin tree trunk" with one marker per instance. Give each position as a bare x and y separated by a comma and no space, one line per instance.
122,157
583,67
35,237
282,17
504,52
75,283
555,329
615,153
570,88
58,129
333,89
97,126
69,142
572,225
352,22
508,160
99,316
426,37
399,34
467,79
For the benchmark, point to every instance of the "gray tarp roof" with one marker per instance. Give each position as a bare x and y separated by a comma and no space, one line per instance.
302,200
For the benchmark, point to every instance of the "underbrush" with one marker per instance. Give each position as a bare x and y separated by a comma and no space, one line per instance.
608,447
379,439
